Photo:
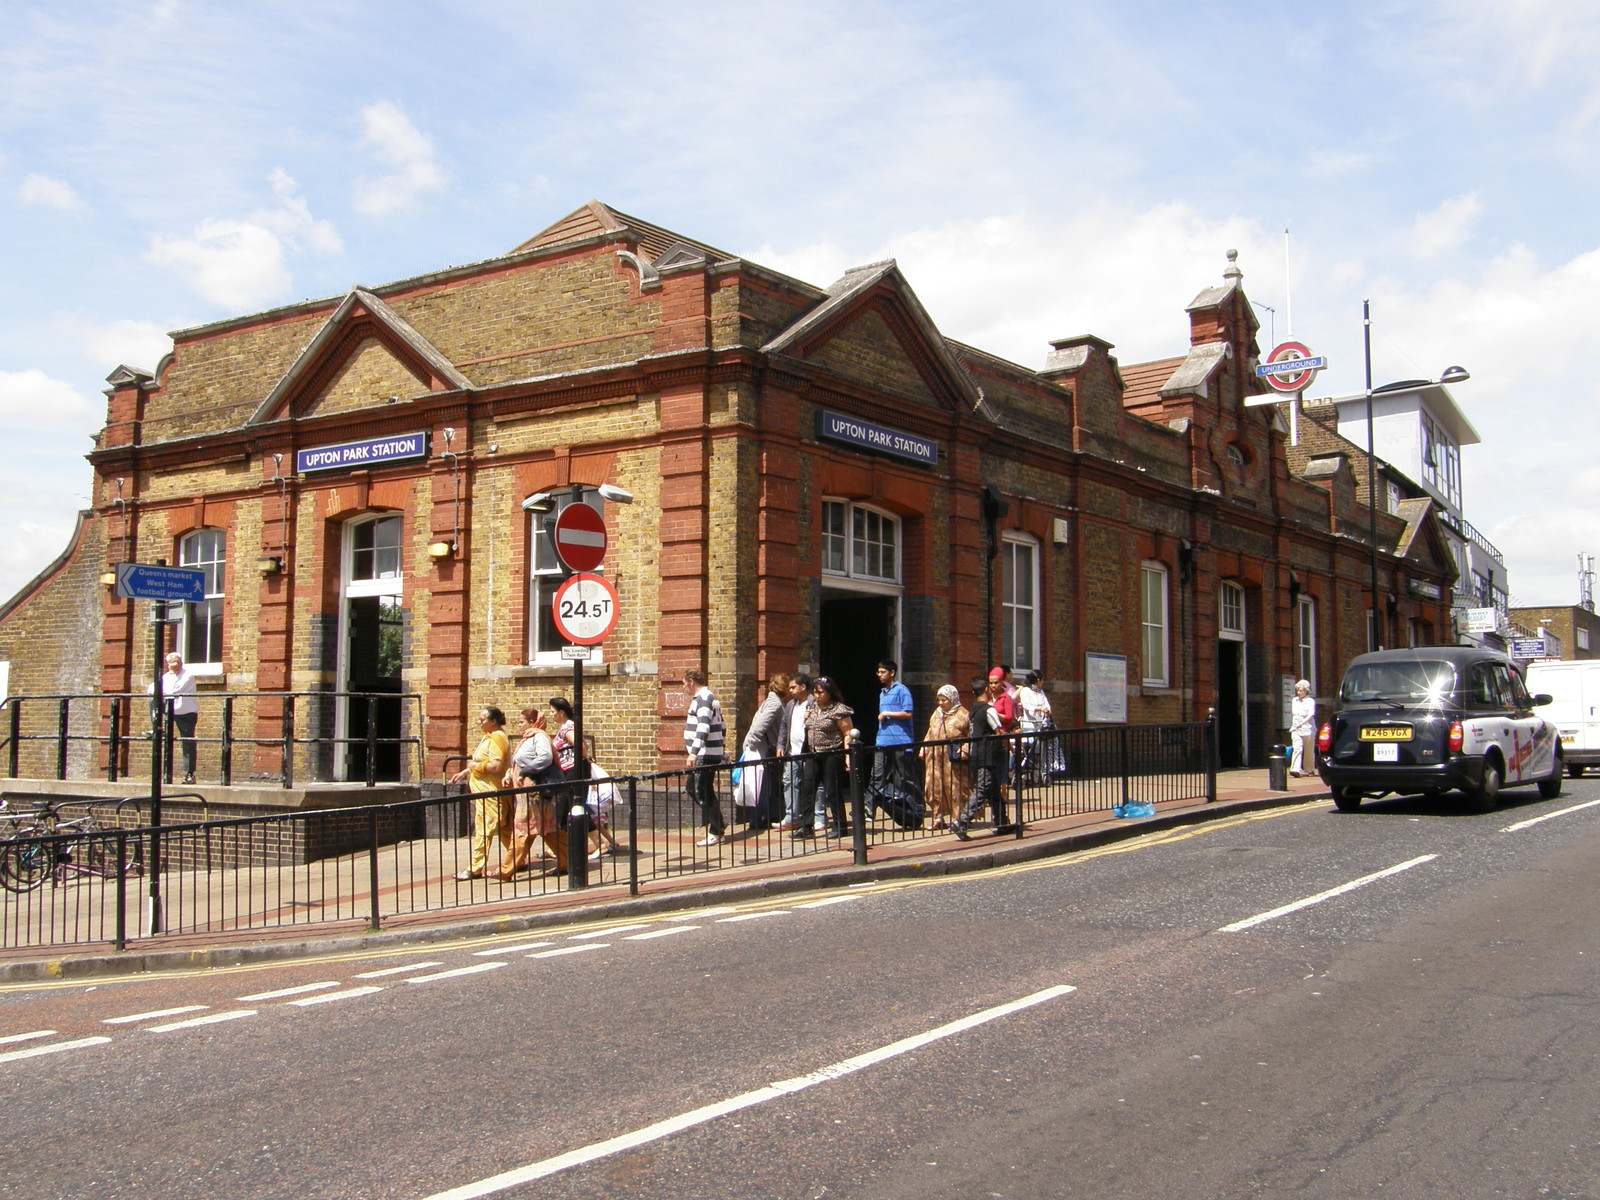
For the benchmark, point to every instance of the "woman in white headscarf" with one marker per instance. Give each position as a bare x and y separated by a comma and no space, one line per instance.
1302,729
947,777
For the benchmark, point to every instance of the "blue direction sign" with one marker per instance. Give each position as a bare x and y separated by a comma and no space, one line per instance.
135,581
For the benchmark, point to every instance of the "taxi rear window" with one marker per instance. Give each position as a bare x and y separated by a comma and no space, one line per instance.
1420,682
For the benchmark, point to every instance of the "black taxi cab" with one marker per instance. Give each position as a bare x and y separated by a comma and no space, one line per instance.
1434,719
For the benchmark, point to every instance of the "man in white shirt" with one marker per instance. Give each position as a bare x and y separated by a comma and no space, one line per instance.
178,694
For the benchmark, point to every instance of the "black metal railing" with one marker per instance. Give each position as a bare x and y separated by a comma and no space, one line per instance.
380,864
361,737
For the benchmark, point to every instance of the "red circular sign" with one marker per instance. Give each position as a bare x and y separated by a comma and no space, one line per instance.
585,609
580,538
1294,381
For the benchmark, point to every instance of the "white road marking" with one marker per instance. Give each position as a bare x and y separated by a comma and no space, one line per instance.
703,912
291,991
655,933
151,1016
828,901
350,994
1327,895
1549,816
773,1091
498,950
755,916
27,1037
209,1019
52,1048
599,933
416,966
570,950
457,972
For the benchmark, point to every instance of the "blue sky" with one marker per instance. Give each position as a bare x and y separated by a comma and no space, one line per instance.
1039,170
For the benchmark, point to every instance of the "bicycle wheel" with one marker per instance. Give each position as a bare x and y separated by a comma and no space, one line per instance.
24,864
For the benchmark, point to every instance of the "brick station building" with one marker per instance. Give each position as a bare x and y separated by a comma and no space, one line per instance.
820,478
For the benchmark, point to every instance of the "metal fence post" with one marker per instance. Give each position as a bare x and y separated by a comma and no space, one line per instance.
121,940
227,741
633,835
372,740
1209,737
287,772
113,761
859,756
1125,751
16,734
372,866
63,715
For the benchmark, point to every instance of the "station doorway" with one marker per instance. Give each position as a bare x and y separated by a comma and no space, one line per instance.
1232,720
858,631
371,651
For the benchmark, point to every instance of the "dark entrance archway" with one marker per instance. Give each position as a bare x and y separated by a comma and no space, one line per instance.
856,632
1230,704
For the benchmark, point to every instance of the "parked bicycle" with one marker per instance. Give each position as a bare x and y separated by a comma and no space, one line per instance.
41,844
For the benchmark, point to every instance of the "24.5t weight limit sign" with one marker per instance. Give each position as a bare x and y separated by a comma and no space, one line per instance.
585,609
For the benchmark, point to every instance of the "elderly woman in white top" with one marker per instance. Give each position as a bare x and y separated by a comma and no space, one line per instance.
1302,730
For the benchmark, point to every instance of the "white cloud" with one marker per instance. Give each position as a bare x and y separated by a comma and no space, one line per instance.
240,264
398,144
31,401
1010,284
231,263
44,192
1446,227
136,343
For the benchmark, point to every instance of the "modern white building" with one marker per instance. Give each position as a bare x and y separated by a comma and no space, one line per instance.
1418,430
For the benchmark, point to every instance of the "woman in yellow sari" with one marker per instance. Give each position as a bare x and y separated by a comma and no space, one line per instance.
946,774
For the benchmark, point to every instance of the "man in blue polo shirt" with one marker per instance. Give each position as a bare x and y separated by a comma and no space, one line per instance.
889,761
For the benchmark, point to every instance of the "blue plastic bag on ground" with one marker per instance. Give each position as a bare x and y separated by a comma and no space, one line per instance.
1134,808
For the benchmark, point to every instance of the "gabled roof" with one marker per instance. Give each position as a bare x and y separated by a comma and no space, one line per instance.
361,313
597,220
878,285
1415,512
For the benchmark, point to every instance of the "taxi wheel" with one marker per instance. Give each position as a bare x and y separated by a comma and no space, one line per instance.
1486,795
1575,770
1347,799
1551,788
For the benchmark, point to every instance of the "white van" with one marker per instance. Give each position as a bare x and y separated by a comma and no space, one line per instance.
1574,709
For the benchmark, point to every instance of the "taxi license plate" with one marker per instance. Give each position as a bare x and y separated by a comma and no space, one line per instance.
1386,752
1386,733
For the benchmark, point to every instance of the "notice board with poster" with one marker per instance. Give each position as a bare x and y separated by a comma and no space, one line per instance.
1105,688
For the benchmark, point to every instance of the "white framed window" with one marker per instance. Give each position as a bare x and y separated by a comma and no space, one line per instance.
1019,601
374,556
1305,640
1230,612
1153,617
1581,636
204,550
860,542
545,575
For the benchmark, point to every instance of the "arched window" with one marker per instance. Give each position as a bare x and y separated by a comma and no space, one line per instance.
204,550
545,576
1153,618
860,542
1305,640
1019,601
1230,612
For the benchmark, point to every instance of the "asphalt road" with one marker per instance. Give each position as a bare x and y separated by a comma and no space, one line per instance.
1399,1002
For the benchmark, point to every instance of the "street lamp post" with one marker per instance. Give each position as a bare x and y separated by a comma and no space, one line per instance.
1450,375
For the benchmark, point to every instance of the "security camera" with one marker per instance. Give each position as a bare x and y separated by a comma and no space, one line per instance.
614,494
539,502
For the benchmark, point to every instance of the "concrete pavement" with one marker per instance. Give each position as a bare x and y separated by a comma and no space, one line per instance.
1237,791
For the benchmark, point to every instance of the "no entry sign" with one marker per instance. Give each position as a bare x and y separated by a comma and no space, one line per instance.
580,538
585,609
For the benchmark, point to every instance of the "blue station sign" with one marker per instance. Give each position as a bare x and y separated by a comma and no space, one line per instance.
136,581
370,453
836,427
